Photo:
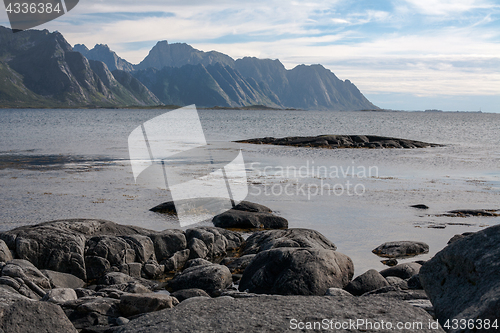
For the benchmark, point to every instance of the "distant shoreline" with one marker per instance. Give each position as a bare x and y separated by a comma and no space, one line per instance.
240,108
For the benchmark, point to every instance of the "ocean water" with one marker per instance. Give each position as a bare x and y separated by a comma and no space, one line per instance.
58,164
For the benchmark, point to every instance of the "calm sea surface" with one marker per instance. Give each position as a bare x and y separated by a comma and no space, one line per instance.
57,164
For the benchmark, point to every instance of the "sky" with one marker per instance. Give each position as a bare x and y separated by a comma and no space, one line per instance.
402,55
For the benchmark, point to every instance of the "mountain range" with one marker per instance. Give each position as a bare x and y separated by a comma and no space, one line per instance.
39,68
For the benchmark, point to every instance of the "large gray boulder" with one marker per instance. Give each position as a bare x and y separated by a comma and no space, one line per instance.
248,206
167,243
25,270
60,295
240,219
197,249
463,280
297,271
143,247
212,242
114,249
279,314
238,264
368,281
92,314
184,294
9,295
31,316
63,280
177,261
134,304
210,278
25,278
401,249
5,254
403,271
60,245
270,239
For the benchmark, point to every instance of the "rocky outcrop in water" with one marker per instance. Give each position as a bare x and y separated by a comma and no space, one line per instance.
342,141
401,249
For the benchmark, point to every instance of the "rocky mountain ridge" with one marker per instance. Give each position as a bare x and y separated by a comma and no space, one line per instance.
41,69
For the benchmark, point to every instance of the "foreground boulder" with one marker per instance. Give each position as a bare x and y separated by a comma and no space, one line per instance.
270,239
248,206
63,280
5,254
60,295
240,219
403,271
279,314
401,249
89,249
134,304
368,281
209,278
463,280
25,278
211,243
184,294
60,245
297,271
249,215
30,316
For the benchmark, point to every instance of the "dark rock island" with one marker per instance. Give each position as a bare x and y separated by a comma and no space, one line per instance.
342,141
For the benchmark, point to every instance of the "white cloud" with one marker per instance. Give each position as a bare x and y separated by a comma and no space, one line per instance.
340,21
449,7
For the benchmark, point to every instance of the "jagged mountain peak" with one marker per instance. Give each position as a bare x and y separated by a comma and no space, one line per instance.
81,48
44,70
164,54
102,52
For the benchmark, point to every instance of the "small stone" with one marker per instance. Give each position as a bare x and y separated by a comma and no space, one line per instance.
390,262
134,269
420,206
184,294
403,271
397,282
122,321
197,249
337,292
414,282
